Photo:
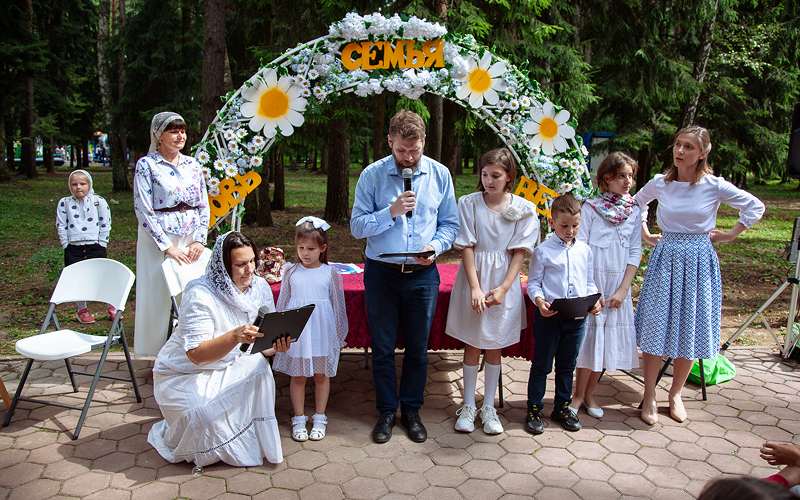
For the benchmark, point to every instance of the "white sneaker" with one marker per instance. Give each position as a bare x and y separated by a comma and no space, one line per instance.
491,422
466,419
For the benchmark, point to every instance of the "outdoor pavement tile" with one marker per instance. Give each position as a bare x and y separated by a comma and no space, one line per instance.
591,469
151,459
94,448
486,451
595,490
622,462
120,432
554,456
387,450
445,475
556,476
336,473
455,440
20,474
666,477
321,491
682,434
688,451
34,490
630,484
729,464
35,440
114,462
175,473
133,478
520,462
345,454
413,463
554,437
439,493
695,469
483,469
588,450
109,494
650,438
156,491
519,484
85,484
657,456
620,444
277,494
50,454
291,479
480,489
202,488
409,483
12,456
364,488
517,444
377,468
232,496
306,460
248,483
552,493
771,433
450,456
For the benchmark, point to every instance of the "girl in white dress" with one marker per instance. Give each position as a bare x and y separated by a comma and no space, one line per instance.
679,312
611,224
487,311
316,353
218,402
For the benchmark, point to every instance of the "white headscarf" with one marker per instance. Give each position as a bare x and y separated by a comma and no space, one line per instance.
219,282
89,198
159,124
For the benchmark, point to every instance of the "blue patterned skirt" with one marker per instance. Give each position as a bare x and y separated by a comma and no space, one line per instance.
680,305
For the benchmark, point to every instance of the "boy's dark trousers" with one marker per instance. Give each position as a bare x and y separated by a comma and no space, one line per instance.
77,253
554,339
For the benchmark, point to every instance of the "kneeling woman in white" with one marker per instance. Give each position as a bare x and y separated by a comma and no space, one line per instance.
218,403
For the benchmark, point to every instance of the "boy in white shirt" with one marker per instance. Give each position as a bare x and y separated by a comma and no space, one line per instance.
561,267
83,223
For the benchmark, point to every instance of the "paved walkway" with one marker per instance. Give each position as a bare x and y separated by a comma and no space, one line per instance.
617,456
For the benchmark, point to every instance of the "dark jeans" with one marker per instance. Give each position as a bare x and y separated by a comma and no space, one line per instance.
554,339
77,253
399,303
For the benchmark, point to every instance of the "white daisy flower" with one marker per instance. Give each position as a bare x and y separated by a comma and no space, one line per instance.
229,134
203,157
482,81
213,182
241,133
256,161
274,104
313,74
549,129
513,104
259,141
231,171
219,164
525,101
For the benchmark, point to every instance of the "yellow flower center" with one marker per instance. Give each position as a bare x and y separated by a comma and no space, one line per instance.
548,128
274,103
479,80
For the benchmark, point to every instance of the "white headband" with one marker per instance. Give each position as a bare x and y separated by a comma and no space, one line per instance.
315,221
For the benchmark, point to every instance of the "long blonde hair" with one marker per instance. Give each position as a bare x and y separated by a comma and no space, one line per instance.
703,141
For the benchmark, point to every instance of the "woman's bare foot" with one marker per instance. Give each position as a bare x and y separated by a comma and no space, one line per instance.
676,409
781,453
649,412
576,404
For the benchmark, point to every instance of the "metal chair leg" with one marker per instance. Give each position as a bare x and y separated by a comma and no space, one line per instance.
702,379
130,364
71,376
500,388
92,388
17,393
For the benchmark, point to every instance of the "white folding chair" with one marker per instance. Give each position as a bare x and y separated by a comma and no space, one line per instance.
177,277
95,280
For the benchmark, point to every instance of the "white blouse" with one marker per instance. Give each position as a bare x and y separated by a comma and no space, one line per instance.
598,232
558,271
684,207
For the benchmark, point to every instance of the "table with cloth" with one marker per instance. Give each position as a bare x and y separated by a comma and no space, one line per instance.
358,335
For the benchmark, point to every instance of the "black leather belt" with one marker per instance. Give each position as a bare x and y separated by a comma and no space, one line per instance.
180,207
402,268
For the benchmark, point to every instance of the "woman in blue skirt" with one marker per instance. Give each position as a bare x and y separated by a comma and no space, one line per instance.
679,309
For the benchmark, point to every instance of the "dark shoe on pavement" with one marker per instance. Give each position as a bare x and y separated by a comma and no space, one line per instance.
566,417
382,432
533,422
414,428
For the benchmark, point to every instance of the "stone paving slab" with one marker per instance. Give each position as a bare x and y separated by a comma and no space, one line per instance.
616,457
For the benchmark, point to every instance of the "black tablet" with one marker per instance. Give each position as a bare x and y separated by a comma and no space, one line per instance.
575,307
279,324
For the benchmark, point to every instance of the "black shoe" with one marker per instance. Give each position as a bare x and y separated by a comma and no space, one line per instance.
533,422
382,432
414,428
566,417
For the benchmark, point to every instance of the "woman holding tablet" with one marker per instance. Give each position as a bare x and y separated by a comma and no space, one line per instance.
218,403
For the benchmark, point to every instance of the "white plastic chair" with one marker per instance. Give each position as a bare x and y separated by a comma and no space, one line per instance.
179,275
94,280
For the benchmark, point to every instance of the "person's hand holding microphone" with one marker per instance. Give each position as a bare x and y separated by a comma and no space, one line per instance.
407,201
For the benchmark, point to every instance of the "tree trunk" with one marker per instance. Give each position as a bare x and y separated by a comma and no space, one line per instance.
5,173
700,65
28,149
85,150
47,155
337,198
449,137
213,77
433,141
103,76
119,133
379,146
279,186
264,216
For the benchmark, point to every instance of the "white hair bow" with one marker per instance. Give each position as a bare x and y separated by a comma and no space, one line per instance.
315,221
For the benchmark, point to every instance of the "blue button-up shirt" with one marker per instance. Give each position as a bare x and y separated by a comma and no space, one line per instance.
434,221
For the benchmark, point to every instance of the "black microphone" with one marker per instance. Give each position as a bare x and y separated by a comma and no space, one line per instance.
407,173
262,311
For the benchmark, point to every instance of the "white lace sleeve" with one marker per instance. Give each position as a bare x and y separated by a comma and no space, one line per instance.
339,309
286,287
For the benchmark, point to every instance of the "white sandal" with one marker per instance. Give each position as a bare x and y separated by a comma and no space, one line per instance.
318,427
299,431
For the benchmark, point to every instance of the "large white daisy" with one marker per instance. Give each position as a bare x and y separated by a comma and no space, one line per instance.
482,81
549,129
273,103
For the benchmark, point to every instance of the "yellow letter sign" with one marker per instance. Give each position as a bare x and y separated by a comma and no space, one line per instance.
535,192
232,191
384,55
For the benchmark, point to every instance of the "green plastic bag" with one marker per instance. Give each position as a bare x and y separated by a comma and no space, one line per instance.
716,370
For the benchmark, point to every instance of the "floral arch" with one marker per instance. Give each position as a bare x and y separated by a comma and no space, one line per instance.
371,54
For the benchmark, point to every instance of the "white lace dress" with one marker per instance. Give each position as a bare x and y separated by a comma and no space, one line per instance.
317,349
492,236
223,410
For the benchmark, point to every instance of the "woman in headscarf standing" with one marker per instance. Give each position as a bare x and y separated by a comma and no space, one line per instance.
218,402
171,204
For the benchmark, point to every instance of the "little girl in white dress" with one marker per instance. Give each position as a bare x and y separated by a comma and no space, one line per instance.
487,310
316,353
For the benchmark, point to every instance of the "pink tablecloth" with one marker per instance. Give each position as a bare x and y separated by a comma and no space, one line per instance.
358,336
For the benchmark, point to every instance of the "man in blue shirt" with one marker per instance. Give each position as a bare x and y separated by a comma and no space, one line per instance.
401,292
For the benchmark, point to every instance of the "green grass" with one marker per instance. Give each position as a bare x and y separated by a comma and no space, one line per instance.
31,257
